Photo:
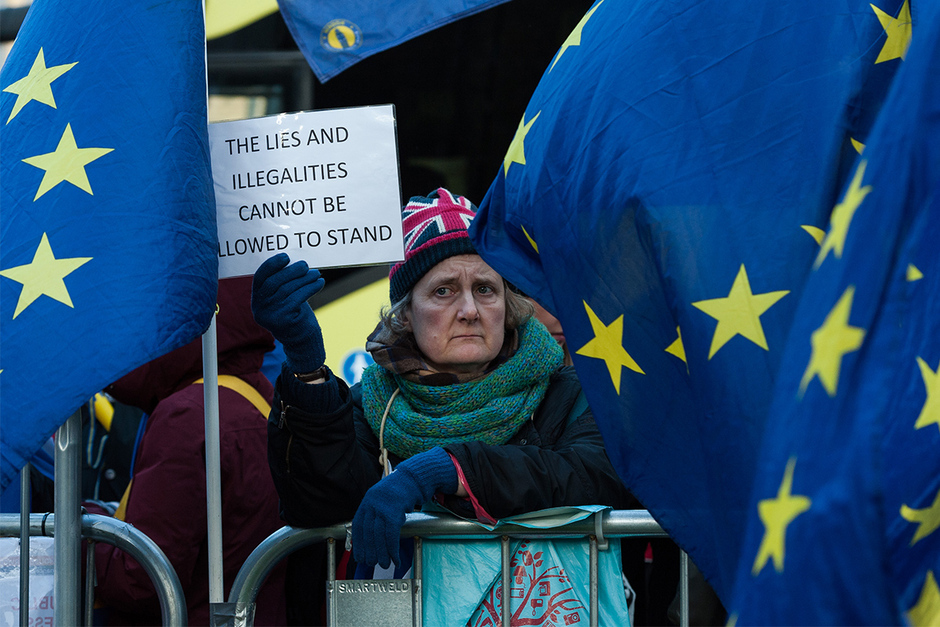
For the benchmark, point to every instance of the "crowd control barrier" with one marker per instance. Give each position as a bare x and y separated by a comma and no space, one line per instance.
596,529
239,611
125,537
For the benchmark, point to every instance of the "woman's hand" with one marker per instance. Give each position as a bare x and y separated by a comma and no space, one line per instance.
376,528
279,294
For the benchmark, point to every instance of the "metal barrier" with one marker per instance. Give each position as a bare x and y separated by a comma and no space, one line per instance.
125,537
597,528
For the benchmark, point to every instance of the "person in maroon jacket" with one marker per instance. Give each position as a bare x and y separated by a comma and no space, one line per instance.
166,499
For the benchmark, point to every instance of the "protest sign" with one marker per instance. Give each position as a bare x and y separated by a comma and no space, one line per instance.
322,186
40,605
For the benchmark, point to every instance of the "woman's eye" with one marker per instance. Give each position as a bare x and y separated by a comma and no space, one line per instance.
486,289
442,291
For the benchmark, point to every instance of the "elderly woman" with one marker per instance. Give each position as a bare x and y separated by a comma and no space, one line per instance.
468,399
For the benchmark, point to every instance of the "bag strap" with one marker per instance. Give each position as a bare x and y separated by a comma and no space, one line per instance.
383,452
121,512
252,395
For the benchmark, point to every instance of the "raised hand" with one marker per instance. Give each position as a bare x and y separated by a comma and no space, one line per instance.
279,294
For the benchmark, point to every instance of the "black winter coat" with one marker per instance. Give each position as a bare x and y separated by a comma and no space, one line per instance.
323,463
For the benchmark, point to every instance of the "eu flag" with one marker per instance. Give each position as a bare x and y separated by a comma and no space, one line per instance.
844,526
108,236
335,34
662,196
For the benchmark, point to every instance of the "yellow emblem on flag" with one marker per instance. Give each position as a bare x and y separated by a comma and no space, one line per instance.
340,35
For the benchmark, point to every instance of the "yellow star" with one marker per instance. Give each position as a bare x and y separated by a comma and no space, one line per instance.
608,345
927,609
930,413
574,39
43,276
831,342
531,241
37,85
739,312
857,145
815,232
516,152
913,273
776,514
67,163
927,519
898,31
842,216
677,348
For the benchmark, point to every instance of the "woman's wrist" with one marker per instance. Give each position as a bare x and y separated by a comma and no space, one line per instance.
320,375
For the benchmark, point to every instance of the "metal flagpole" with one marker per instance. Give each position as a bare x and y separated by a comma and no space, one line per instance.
210,375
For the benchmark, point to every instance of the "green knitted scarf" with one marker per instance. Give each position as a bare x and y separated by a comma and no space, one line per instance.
489,409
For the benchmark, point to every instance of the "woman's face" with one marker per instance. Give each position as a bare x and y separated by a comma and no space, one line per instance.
458,315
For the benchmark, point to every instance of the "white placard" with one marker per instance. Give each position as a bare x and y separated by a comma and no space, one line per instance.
321,186
41,602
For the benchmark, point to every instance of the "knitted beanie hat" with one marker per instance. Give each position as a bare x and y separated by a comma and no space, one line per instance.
435,228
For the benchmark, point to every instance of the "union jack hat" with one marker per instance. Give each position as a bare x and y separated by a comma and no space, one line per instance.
435,228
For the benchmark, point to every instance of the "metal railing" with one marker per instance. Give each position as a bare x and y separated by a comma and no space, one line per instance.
597,528
125,537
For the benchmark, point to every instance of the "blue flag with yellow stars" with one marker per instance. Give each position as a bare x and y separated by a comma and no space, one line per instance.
663,196
335,34
844,527
108,233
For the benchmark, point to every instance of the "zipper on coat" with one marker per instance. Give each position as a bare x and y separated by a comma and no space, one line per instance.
281,423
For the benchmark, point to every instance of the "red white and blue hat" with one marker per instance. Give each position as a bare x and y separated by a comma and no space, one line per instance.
435,228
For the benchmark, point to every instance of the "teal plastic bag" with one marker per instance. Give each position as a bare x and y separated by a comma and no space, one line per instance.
549,583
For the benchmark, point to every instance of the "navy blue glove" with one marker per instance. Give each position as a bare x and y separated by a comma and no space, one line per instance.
377,524
279,294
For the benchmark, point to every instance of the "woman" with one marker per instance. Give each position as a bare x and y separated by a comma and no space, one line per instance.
468,398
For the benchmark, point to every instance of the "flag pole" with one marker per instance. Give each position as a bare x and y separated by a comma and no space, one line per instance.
210,375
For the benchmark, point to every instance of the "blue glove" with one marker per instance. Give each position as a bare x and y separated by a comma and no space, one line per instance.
376,527
279,294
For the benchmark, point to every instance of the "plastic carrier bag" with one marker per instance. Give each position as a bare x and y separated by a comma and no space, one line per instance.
550,578
41,578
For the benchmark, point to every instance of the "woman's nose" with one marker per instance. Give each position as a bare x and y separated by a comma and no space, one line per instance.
467,307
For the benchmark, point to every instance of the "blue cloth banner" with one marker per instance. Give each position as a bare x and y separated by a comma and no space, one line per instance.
844,527
663,196
108,232
335,34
